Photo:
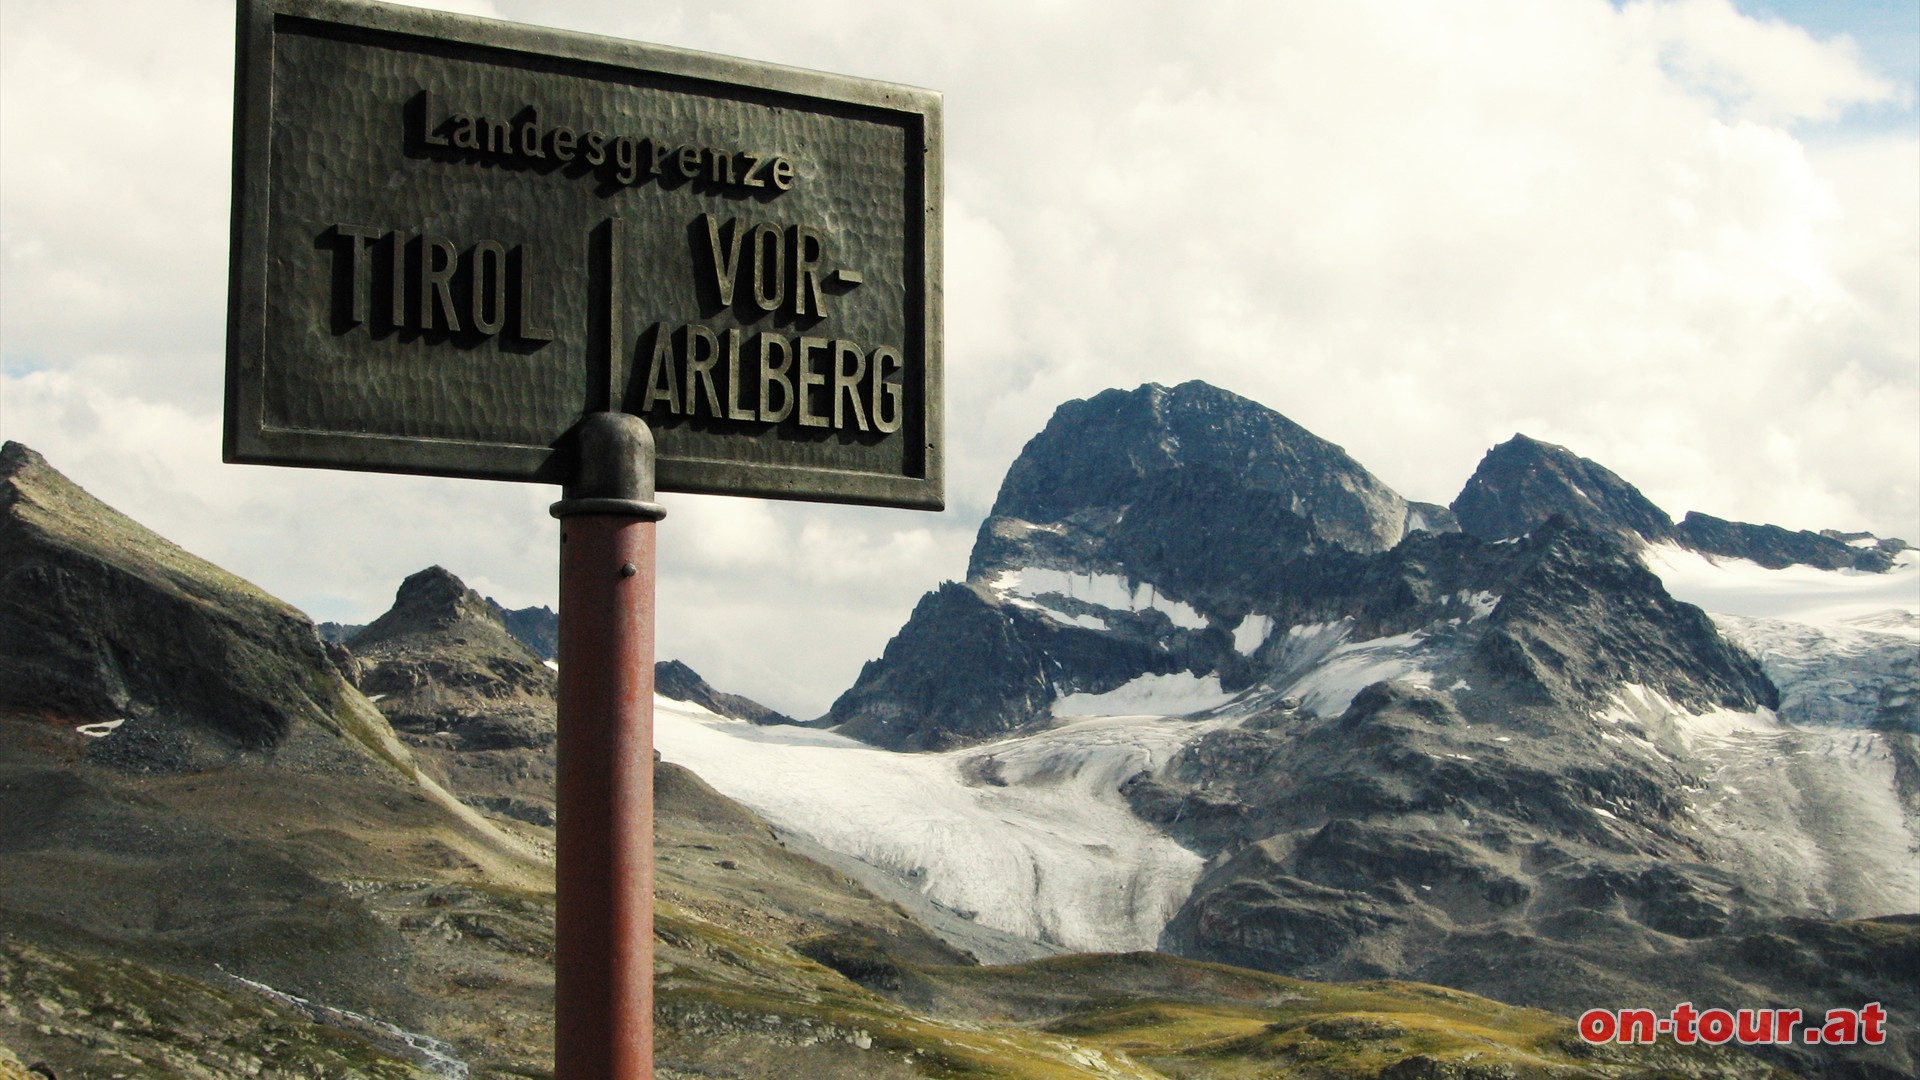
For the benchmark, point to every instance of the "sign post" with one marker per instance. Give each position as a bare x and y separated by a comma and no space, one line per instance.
478,249
603,955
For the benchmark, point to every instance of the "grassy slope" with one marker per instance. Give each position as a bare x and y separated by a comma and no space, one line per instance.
366,897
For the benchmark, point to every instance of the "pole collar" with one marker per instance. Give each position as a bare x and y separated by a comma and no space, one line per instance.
612,469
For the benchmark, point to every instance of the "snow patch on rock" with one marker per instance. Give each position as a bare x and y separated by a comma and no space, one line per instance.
1251,633
1177,694
1110,591
1328,687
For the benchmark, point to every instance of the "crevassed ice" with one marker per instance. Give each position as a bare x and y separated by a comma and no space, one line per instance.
1051,853
1252,633
1101,590
1810,816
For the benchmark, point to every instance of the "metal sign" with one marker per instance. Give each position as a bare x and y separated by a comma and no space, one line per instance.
454,237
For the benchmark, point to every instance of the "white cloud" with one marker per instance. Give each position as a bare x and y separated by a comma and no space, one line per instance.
1415,229
1763,70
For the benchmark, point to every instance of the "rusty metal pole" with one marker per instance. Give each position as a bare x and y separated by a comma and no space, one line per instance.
603,952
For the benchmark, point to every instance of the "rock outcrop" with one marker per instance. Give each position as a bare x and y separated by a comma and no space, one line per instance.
185,665
673,679
473,701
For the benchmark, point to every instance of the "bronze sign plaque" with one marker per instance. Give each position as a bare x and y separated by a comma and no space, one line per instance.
453,237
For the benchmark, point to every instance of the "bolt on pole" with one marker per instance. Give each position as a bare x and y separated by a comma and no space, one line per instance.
603,954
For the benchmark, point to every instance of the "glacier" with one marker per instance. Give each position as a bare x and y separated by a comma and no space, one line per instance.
1028,835
1805,803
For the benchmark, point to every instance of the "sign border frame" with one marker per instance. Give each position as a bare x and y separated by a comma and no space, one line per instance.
248,440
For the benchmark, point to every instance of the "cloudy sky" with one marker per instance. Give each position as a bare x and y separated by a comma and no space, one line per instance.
1682,239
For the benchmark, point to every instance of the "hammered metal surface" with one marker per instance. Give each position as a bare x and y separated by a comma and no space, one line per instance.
340,111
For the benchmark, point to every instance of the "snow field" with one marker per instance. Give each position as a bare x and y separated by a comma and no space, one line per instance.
1795,593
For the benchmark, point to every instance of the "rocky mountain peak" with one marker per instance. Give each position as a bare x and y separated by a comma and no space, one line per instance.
1103,453
475,703
434,603
1522,482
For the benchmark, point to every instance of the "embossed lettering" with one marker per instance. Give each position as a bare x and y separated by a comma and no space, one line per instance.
426,122
809,248
524,327
522,136
766,249
663,384
772,374
703,352
499,136
488,274
359,263
530,136
496,284
735,409
438,259
807,378
465,136
888,373
397,310
626,157
846,382
697,371
725,264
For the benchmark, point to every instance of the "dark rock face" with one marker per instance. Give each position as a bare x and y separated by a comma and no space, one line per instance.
538,628
1275,921
673,679
1774,547
1096,454
102,620
474,703
1523,482
1584,616
957,672
1189,499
